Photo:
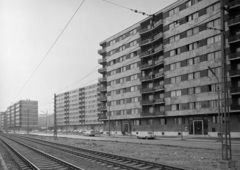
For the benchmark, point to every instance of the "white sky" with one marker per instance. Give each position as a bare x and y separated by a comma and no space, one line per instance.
28,28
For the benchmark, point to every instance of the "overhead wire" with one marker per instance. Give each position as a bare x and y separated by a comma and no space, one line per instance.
49,50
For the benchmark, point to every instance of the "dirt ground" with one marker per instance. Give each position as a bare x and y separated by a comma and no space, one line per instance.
187,158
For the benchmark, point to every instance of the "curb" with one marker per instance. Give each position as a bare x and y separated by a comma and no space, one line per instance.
2,163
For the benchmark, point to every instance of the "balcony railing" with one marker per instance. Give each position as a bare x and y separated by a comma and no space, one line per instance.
103,107
103,79
146,78
155,113
101,51
102,60
235,107
234,73
159,100
103,88
103,98
234,38
149,28
234,21
233,4
159,61
147,102
159,48
233,56
157,75
160,87
159,35
235,90
101,70
147,90
144,66
145,41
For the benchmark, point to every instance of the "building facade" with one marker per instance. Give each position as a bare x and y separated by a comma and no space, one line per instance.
45,121
21,115
156,76
79,109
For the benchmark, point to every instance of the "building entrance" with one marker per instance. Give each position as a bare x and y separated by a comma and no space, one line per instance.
126,128
198,127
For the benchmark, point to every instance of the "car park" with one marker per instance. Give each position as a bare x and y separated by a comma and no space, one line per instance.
89,133
146,135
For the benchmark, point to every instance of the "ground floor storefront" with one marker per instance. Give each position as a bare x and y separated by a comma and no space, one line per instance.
174,126
98,127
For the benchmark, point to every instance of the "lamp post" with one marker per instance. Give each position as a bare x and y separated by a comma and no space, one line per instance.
28,121
219,119
46,119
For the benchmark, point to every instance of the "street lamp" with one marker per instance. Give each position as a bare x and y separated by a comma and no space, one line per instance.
46,119
219,120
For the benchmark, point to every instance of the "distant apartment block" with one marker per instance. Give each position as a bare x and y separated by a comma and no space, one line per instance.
155,74
21,115
79,109
45,121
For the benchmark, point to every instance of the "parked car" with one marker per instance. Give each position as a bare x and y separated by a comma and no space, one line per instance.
89,133
146,135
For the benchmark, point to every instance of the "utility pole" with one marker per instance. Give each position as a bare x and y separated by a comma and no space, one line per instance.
226,161
109,119
28,121
55,119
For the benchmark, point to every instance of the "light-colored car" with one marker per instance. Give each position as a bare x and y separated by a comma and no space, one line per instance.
146,135
89,133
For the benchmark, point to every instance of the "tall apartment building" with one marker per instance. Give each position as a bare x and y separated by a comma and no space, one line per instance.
21,115
156,76
78,109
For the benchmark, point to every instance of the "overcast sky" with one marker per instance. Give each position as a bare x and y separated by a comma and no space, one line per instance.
28,28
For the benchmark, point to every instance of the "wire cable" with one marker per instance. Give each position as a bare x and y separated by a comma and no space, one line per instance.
49,50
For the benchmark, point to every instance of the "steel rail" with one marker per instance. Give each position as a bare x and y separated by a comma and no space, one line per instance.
108,158
55,159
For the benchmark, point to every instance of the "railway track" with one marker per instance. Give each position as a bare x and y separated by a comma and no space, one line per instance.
116,161
30,158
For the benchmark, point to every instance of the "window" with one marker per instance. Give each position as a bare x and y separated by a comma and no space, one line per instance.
162,121
178,79
150,122
188,3
172,66
177,37
178,93
214,119
196,30
175,107
190,76
198,105
150,109
197,90
191,90
133,43
136,122
196,60
173,11
172,53
173,80
213,39
191,105
190,62
178,65
213,103
196,75
173,93
178,121
189,33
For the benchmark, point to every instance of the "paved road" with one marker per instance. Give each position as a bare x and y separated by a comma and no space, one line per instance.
209,143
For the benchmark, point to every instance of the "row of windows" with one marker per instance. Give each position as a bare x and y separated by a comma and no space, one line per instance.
125,101
130,44
124,90
194,90
122,69
122,37
126,112
194,15
124,79
195,105
188,4
123,58
195,75
195,45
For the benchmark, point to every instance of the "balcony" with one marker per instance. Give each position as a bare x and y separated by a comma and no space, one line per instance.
146,66
234,4
103,88
102,108
103,79
234,21
145,42
103,98
102,60
101,51
156,37
102,116
158,62
235,90
159,101
146,78
234,73
147,90
154,114
234,56
158,88
235,107
234,39
149,28
147,102
102,70
159,75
